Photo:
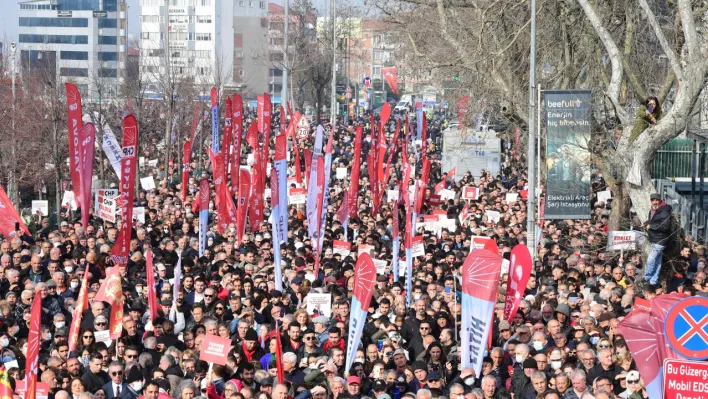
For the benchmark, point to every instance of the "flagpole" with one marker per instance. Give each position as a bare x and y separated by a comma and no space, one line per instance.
284,91
531,156
333,105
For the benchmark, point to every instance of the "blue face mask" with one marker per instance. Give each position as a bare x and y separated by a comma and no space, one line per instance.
7,359
594,340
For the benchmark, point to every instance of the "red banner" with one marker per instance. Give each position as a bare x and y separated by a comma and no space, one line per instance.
261,103
252,135
255,211
119,252
225,205
150,279
244,198
267,117
33,342
279,356
226,144
308,164
520,268
391,75
111,292
356,170
87,142
186,157
9,217
237,131
81,305
74,122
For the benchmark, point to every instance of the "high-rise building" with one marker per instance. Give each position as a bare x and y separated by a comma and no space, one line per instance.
206,42
82,41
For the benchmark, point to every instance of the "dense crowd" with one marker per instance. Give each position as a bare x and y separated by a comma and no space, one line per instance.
562,343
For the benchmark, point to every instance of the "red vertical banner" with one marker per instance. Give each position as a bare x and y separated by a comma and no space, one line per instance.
244,198
267,118
279,355
74,122
261,102
252,135
186,155
9,217
87,142
81,305
356,171
225,206
391,76
520,268
226,145
119,252
308,164
255,212
33,343
237,131
150,279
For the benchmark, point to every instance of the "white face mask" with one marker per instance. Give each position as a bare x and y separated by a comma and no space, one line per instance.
519,359
592,314
74,285
538,345
594,340
359,360
59,324
556,365
69,269
137,385
469,381
4,342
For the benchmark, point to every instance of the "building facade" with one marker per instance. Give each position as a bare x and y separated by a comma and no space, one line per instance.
79,41
206,42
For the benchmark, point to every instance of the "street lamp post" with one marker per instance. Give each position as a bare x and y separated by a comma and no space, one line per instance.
531,156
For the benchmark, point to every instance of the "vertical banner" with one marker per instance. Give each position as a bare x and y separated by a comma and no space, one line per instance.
74,122
204,195
119,252
314,190
520,268
322,211
343,214
261,103
224,206
281,170
9,217
244,198
214,121
33,343
111,291
255,211
280,369
80,306
178,278
87,142
480,283
419,115
237,131
568,117
275,213
356,170
267,117
150,280
186,155
111,148
408,241
364,284
396,243
227,134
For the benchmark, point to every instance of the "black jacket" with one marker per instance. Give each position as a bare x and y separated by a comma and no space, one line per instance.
659,224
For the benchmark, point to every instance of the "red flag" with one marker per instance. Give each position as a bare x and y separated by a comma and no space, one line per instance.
279,355
343,211
520,268
451,173
9,217
391,75
356,170
491,246
224,206
308,164
5,386
152,294
186,155
255,212
74,115
290,110
267,116
111,292
244,198
237,131
81,305
226,144
261,103
439,187
392,153
252,135
33,343
425,172
87,140
119,252
424,136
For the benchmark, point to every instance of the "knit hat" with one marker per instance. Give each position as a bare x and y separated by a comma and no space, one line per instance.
134,375
251,335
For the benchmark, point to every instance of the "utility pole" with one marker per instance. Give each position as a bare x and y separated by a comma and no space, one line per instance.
12,186
333,105
531,156
284,91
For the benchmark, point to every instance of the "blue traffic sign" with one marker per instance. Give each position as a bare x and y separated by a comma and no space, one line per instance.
367,81
686,328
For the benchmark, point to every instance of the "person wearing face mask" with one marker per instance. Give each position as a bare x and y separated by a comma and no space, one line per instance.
518,378
540,343
135,385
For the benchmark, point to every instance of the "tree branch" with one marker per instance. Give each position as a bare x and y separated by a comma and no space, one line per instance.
689,30
613,89
673,60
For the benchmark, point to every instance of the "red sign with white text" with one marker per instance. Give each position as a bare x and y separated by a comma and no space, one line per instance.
470,193
215,349
685,379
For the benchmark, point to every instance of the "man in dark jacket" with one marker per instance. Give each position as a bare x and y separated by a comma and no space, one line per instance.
658,228
95,378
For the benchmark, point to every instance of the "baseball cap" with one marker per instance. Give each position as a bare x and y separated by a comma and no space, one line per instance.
321,320
434,375
504,325
379,385
353,380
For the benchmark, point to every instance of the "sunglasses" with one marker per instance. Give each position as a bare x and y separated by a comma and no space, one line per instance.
603,346
116,373
219,308
88,336
632,381
100,324
208,296
131,356
308,338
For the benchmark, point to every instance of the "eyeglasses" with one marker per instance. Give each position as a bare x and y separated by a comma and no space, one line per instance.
425,328
88,336
208,296
603,346
117,373
100,324
219,308
632,381
131,356
308,338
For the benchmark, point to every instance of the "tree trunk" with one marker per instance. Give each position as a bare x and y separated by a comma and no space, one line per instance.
318,94
168,134
619,217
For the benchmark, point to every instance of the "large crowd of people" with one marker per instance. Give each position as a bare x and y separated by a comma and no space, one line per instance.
562,343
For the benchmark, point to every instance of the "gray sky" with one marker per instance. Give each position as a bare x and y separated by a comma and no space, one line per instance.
9,16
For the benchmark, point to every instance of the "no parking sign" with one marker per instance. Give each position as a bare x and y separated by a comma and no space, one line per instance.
686,328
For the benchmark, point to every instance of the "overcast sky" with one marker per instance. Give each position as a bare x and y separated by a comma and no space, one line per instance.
9,16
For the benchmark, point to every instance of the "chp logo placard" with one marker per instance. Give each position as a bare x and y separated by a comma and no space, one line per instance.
686,328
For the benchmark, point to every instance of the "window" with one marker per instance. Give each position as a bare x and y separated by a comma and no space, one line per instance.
151,3
377,40
276,56
240,73
107,40
150,18
74,55
238,54
203,37
77,72
279,26
378,55
55,22
107,23
54,39
107,73
276,72
206,19
242,3
108,56
377,71
204,3
262,5
38,7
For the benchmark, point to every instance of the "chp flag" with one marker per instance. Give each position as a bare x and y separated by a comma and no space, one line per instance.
119,252
364,284
480,282
520,269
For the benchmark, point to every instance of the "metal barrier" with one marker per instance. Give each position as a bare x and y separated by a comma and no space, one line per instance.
691,218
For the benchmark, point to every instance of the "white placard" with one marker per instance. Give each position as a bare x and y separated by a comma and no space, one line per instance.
342,173
603,196
106,209
139,214
297,196
622,240
365,248
511,197
341,247
418,246
103,336
392,195
380,266
446,194
493,216
504,267
40,206
68,198
148,183
320,303
152,163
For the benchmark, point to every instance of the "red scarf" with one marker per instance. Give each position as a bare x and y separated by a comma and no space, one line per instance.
249,355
